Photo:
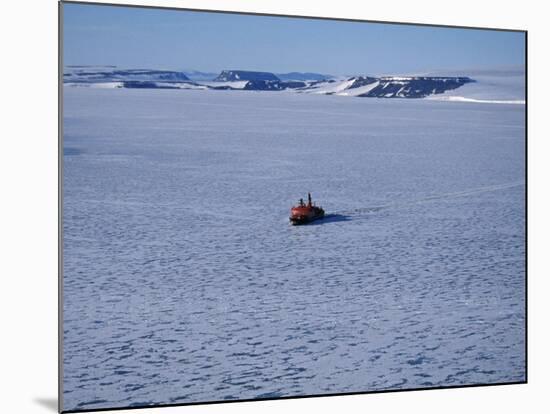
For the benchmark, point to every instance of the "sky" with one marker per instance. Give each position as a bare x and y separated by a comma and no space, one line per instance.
131,37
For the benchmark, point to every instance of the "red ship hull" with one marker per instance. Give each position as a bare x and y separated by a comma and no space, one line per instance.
305,214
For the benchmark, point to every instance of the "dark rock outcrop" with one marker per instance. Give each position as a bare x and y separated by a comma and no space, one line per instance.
92,76
262,85
241,75
146,85
414,87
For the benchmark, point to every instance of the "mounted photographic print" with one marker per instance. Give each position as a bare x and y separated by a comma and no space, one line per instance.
262,207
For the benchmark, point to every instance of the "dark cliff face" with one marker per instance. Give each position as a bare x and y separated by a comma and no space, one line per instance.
414,87
145,85
86,75
173,76
262,85
241,75
389,87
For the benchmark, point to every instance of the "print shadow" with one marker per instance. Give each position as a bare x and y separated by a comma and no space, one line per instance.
49,403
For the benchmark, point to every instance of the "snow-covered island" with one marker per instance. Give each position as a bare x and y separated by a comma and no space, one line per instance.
360,86
485,86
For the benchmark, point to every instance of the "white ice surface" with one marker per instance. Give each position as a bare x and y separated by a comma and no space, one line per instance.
360,90
507,87
184,282
325,88
231,84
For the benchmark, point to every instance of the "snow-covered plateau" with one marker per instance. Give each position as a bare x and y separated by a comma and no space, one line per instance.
490,86
184,282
